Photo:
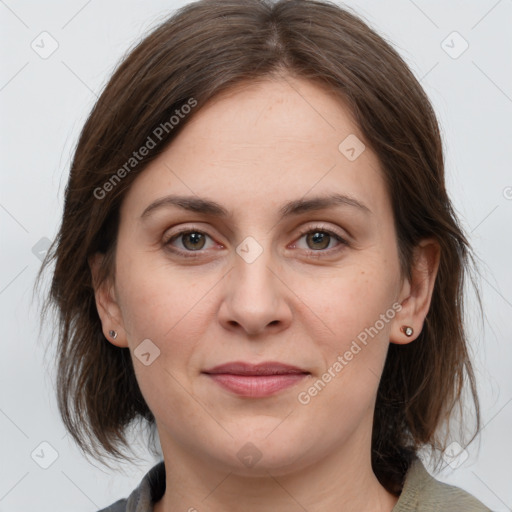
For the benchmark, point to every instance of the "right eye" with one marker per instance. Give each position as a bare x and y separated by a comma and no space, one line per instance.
191,240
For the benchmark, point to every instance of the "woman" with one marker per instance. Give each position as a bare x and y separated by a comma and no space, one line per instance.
258,257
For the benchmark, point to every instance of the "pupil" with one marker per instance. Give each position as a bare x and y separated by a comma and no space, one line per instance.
319,237
194,238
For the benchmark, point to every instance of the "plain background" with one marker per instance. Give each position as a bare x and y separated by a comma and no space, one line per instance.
44,103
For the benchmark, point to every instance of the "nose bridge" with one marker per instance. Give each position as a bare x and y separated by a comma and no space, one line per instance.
253,297
254,257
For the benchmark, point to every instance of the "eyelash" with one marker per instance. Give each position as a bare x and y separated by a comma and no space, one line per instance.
308,230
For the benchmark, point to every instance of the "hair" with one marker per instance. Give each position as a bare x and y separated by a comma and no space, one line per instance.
203,49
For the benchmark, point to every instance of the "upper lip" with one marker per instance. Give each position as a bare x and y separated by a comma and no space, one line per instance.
265,368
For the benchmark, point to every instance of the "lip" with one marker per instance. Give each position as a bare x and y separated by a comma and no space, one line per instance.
256,380
264,368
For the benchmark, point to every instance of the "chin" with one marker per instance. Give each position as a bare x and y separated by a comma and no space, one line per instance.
271,452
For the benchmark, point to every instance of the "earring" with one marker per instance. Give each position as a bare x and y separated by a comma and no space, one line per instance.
112,334
408,331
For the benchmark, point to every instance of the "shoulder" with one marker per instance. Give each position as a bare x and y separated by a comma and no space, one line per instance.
150,490
423,493
118,506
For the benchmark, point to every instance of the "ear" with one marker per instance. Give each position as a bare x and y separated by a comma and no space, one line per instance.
416,292
106,303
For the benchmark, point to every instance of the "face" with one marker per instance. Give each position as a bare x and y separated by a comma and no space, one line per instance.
267,274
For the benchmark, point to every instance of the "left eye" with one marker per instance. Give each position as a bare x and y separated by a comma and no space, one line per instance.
320,239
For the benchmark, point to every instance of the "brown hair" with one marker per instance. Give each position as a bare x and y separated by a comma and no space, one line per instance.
203,49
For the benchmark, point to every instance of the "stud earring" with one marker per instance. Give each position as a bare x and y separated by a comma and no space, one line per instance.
408,331
112,334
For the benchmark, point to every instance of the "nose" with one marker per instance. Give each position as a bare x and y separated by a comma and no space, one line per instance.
256,298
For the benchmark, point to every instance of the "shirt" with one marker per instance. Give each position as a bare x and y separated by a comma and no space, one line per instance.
420,493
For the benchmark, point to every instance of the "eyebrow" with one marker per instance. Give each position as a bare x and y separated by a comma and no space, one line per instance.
205,206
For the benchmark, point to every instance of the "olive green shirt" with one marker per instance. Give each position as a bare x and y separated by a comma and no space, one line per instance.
420,493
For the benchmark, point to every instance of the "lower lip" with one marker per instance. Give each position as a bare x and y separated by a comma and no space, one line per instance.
256,385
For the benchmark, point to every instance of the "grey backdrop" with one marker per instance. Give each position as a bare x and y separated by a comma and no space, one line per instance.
57,56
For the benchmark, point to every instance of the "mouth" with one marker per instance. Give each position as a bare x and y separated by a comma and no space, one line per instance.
256,380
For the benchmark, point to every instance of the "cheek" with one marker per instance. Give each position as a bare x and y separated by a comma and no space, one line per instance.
171,309
358,312
357,305
351,299
158,300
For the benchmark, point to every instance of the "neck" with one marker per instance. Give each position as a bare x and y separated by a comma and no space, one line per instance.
341,480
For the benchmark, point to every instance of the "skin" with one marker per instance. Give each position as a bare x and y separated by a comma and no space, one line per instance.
301,302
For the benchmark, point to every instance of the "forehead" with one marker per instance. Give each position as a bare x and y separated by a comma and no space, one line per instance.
266,142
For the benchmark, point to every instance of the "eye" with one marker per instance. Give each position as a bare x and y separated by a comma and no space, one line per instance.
191,240
320,240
